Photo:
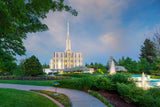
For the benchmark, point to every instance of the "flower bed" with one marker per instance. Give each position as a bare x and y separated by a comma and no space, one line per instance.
33,78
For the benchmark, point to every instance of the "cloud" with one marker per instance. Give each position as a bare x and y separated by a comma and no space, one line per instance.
111,41
98,30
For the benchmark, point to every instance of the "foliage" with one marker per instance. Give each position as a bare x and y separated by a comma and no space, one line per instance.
156,67
45,66
139,96
148,51
18,71
143,66
63,99
78,75
99,71
101,98
71,84
7,65
129,64
103,83
95,82
120,78
130,91
32,67
19,98
155,92
155,77
156,40
19,17
100,68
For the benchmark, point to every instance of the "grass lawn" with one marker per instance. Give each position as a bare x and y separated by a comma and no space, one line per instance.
19,98
25,82
63,99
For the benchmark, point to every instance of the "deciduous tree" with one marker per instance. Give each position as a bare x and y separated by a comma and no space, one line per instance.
19,17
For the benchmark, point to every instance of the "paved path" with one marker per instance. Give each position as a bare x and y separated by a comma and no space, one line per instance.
78,98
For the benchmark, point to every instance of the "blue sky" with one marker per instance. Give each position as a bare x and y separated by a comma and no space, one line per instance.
103,28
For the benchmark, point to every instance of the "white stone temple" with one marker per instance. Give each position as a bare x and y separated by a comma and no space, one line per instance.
66,59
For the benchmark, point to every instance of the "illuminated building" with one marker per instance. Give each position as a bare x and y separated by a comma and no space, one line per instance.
66,59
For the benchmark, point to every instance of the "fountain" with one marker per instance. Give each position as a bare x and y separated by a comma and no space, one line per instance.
142,81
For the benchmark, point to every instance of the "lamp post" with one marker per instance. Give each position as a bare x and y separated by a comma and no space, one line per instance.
55,84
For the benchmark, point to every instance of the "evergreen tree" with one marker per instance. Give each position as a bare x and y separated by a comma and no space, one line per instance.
148,51
32,67
143,66
156,39
45,66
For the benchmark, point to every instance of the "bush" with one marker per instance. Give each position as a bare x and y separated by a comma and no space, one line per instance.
79,75
120,78
130,91
142,98
70,83
155,92
86,83
103,83
145,101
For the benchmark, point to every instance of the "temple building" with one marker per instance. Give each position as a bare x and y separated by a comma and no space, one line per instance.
66,59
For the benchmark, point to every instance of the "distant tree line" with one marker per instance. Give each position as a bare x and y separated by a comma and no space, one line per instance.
149,59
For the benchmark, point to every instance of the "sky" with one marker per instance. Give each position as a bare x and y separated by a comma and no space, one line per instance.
103,28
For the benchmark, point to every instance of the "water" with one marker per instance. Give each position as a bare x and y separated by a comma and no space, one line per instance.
150,82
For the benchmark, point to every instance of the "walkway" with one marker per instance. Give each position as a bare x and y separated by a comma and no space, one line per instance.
78,98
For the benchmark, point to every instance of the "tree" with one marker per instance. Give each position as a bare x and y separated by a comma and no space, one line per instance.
19,17
148,51
156,67
156,40
32,67
45,66
130,65
143,66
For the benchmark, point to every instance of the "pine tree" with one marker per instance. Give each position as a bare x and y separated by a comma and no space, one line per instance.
148,51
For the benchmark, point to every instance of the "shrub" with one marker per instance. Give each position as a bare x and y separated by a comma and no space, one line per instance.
86,83
145,100
70,83
142,98
155,92
79,75
130,91
103,83
120,78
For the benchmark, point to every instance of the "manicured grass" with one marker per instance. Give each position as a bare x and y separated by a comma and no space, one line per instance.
19,98
155,77
63,99
25,82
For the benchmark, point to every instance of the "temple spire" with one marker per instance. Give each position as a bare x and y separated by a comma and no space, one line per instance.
68,30
68,42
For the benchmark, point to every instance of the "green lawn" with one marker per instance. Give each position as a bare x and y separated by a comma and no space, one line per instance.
63,99
19,98
25,82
